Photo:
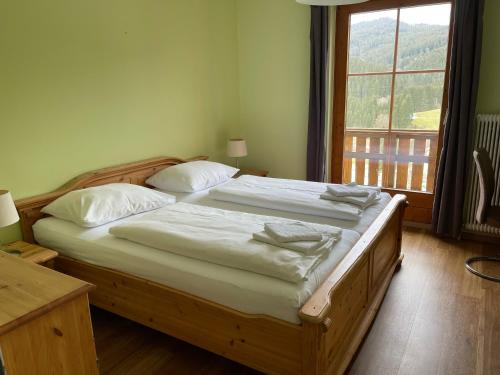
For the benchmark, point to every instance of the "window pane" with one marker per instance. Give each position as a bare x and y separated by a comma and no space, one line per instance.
371,41
417,101
423,37
368,101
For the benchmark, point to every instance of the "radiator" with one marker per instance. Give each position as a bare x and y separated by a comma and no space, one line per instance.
487,136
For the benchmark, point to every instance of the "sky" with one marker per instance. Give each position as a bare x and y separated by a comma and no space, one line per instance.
430,15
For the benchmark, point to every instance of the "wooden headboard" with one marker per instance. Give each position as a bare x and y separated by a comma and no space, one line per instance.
133,173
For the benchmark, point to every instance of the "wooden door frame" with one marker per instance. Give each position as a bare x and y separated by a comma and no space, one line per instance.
420,208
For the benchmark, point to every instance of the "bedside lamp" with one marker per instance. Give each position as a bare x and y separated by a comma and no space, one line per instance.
236,148
8,215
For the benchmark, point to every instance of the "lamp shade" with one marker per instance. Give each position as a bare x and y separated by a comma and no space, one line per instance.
236,148
8,212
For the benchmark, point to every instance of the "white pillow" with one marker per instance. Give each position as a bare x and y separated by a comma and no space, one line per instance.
102,204
192,176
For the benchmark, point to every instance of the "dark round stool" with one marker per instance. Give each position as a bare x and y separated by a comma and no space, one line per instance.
469,262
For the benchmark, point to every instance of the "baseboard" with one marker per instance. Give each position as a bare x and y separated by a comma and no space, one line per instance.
480,237
414,224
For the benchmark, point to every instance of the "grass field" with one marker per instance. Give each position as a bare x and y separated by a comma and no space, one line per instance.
428,120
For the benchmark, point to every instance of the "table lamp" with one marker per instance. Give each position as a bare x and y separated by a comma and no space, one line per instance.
236,148
8,215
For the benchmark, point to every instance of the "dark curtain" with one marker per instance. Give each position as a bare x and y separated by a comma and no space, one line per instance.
463,87
316,149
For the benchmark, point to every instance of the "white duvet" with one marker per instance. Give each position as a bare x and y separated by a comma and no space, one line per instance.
222,237
285,195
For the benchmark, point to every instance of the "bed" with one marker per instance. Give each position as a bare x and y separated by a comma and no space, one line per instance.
328,328
253,293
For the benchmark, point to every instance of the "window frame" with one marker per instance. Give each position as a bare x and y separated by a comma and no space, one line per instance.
420,209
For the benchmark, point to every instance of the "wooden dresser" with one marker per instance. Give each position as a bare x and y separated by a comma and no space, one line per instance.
45,325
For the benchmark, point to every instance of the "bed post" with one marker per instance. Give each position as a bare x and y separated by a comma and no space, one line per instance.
399,244
313,349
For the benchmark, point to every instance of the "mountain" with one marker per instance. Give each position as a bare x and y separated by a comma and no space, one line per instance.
417,96
420,46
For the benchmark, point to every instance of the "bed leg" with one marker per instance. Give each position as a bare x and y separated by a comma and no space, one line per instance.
313,350
399,262
399,244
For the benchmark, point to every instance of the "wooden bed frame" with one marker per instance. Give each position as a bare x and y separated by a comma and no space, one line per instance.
334,319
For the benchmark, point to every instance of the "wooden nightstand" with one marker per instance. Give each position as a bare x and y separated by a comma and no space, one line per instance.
252,171
45,325
34,253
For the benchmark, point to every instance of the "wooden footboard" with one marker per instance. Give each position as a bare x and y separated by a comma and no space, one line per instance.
339,313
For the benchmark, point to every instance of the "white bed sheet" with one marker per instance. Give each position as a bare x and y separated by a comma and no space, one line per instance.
241,290
368,216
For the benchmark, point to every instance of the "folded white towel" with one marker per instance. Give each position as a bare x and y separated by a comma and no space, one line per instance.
306,247
367,187
292,232
346,191
362,202
351,190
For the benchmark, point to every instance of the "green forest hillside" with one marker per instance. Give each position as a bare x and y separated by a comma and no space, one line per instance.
418,97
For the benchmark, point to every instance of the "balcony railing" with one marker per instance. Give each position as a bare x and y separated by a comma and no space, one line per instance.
399,159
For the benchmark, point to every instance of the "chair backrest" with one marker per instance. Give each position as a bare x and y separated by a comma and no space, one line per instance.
486,183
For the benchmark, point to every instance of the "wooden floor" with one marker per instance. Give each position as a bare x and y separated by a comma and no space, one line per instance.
436,318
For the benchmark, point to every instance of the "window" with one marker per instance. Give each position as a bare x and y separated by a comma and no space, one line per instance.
390,93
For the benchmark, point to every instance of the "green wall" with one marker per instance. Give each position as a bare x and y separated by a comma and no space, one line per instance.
89,84
273,53
489,86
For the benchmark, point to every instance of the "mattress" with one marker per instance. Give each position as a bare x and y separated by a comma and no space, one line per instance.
360,226
238,289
